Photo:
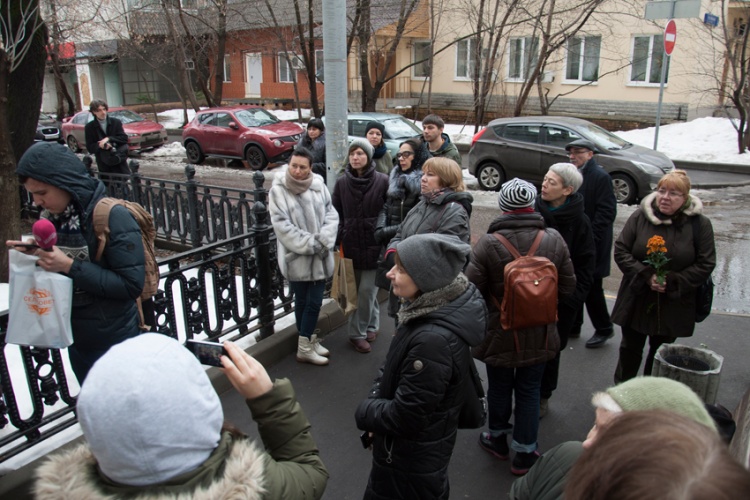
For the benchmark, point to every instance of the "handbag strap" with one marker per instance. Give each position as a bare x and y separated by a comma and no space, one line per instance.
695,220
434,224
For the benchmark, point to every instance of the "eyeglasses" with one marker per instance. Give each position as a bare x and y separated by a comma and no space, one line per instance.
670,194
405,154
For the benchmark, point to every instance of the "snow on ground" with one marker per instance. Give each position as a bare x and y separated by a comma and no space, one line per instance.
292,115
173,118
172,149
703,139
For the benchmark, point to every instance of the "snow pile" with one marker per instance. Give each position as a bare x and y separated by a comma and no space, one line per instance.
171,149
703,139
174,117
285,115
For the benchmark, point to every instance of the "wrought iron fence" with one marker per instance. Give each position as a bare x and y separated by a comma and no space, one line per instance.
225,289
184,212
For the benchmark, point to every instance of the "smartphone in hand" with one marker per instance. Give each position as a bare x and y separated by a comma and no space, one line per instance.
26,246
208,353
366,439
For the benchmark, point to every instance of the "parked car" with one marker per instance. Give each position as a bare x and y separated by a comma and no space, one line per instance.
143,134
48,129
397,128
525,147
240,132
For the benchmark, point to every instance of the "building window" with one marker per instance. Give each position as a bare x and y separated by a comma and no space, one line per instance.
287,73
524,53
582,63
422,50
464,59
319,72
227,68
648,54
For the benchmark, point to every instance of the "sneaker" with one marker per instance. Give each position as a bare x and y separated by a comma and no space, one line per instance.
498,446
362,345
543,404
522,462
371,336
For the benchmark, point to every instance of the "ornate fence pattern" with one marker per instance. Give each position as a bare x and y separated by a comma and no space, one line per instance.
241,271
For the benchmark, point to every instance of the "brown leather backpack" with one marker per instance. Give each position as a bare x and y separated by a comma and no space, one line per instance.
530,288
148,235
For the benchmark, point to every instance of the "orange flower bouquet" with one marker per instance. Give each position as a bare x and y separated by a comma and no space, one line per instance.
657,257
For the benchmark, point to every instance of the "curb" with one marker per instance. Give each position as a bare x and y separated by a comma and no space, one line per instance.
17,484
718,185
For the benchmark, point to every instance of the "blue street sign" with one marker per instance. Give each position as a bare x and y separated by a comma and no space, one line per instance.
710,19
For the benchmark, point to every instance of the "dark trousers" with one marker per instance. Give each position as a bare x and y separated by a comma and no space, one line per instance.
596,305
522,383
112,183
631,353
149,314
566,316
308,297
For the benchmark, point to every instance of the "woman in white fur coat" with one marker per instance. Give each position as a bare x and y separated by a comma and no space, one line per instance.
306,225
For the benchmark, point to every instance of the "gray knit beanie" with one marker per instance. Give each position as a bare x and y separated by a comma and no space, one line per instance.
365,145
516,194
432,260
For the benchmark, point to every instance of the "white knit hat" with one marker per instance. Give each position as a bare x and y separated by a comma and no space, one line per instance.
516,194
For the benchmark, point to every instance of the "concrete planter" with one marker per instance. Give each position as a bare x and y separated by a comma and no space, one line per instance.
699,369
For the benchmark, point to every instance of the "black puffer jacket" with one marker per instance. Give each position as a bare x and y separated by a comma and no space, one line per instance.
414,405
404,190
108,314
575,228
358,201
318,150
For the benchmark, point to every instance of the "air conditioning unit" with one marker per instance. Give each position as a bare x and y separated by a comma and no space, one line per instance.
297,62
548,77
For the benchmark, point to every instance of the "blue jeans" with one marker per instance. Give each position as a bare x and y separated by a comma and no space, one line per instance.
308,297
526,383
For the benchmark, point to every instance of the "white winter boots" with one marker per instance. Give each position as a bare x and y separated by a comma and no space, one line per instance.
310,351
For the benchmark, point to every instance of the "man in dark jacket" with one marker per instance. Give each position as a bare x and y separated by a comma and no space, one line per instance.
600,206
104,309
103,135
439,144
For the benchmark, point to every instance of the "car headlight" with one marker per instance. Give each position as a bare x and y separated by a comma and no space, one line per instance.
648,168
295,137
277,143
134,135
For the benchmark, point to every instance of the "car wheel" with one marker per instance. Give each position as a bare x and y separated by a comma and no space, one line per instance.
625,189
194,153
490,177
73,144
255,158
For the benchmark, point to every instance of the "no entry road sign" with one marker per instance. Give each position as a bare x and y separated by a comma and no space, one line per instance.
670,35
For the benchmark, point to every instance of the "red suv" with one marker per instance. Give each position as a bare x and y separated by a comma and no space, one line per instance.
240,132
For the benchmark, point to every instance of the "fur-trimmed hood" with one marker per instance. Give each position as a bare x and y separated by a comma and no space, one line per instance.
647,206
73,475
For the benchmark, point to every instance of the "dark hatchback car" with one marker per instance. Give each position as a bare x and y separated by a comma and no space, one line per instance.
48,129
240,132
525,147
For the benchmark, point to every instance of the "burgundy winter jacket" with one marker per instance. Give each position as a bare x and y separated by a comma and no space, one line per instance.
358,201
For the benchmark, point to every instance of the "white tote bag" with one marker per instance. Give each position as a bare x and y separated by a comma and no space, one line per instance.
40,304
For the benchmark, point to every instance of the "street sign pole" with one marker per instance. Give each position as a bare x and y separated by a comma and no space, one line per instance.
664,64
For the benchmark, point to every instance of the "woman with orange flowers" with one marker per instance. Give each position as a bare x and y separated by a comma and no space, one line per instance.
665,252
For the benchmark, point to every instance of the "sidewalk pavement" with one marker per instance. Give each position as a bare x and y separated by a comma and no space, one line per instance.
329,396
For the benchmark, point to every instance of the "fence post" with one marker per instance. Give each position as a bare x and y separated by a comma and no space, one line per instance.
262,231
135,180
196,237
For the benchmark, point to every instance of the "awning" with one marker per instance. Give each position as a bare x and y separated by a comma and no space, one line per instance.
99,48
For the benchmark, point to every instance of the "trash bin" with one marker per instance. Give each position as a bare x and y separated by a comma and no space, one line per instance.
697,368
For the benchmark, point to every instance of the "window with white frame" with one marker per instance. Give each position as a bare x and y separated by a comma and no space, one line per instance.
648,54
286,72
582,64
227,68
465,59
319,71
522,58
422,51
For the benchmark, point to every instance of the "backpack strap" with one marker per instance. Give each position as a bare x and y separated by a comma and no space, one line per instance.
507,244
536,243
101,222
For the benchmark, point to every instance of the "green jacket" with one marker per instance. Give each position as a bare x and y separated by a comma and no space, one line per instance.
448,150
546,480
289,469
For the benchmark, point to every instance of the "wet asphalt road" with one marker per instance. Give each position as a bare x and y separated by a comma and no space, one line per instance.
726,207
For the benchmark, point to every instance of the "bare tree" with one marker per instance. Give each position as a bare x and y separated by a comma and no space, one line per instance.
23,38
186,86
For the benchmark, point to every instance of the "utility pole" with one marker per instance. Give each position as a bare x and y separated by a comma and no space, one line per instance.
336,96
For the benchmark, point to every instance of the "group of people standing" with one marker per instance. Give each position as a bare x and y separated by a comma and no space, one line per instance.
411,223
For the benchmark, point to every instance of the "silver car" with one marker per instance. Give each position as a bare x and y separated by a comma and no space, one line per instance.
525,147
397,128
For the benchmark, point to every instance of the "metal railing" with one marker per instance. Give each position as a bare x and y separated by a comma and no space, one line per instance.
224,289
184,212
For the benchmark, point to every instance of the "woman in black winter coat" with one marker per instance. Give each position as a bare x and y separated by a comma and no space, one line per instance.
314,140
412,412
562,208
358,196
